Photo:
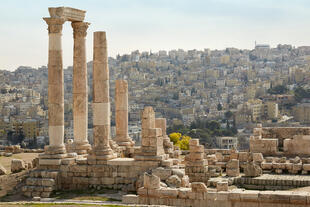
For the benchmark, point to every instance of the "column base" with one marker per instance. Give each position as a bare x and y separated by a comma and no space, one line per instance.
54,150
127,142
100,155
54,156
81,148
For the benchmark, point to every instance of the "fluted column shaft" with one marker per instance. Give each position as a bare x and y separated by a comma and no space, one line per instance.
55,87
80,94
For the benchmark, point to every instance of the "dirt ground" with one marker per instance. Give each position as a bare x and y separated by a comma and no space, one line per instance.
6,161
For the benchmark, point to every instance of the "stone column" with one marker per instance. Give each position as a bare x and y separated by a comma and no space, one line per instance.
55,88
101,101
121,114
80,95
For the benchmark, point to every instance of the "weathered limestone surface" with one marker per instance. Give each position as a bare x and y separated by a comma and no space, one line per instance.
55,88
273,140
297,145
67,13
17,165
121,114
232,168
152,140
196,167
168,145
101,102
253,170
80,94
265,146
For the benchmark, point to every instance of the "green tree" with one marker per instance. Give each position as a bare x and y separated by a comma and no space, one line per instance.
219,107
300,93
279,89
228,115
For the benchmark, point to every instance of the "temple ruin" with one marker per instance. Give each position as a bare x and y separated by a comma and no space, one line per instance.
156,171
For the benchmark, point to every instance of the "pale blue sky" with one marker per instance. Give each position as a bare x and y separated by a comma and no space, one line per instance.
153,24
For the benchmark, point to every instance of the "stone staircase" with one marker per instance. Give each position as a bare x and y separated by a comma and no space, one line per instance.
41,183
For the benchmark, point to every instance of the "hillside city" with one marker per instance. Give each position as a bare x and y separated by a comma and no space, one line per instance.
237,88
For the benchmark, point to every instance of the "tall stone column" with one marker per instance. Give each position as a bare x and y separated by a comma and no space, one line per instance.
121,114
55,88
101,102
80,95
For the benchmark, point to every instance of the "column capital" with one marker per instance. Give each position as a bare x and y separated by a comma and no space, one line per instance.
54,24
80,29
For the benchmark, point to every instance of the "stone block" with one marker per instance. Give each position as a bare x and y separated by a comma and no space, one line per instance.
232,172
162,173
179,172
2,170
233,164
243,156
297,166
249,196
49,161
174,181
222,186
193,142
258,157
184,193
198,187
151,181
48,182
306,167
252,170
266,165
299,198
168,193
17,165
185,181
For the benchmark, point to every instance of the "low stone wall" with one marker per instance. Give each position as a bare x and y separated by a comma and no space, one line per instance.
8,183
298,145
282,133
265,146
120,173
272,182
237,197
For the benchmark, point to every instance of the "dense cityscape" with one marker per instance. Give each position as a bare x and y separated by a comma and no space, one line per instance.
237,88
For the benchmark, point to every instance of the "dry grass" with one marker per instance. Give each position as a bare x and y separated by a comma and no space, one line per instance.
6,161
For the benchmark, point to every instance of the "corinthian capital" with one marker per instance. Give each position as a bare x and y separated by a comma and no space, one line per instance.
80,29
54,24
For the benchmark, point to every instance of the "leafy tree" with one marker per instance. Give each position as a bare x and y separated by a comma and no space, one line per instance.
300,93
219,107
175,137
3,90
181,141
228,115
184,142
279,89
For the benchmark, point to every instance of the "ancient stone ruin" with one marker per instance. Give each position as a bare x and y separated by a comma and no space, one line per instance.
156,171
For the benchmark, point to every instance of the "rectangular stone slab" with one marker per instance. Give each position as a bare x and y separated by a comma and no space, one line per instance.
67,13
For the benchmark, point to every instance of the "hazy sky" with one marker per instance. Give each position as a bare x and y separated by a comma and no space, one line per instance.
153,25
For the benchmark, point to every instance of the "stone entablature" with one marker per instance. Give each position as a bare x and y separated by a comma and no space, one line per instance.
67,13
